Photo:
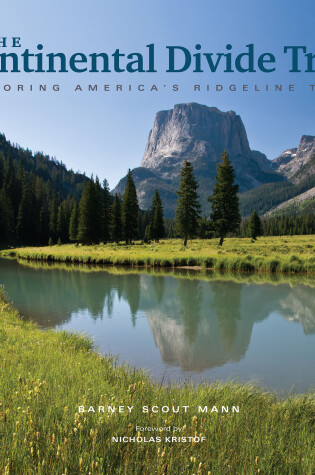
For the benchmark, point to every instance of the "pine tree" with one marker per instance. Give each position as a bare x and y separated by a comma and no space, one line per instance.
6,217
74,220
107,212
156,218
11,185
255,225
144,222
63,222
98,212
147,234
2,161
116,227
130,210
204,231
53,216
85,223
225,214
187,212
43,225
90,223
169,225
26,218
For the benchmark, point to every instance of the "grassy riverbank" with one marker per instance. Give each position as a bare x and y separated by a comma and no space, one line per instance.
46,375
208,275
287,254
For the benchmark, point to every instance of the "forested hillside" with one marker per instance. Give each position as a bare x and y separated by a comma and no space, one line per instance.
37,194
269,195
41,202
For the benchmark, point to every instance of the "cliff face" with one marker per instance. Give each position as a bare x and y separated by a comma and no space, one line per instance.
199,134
297,163
196,132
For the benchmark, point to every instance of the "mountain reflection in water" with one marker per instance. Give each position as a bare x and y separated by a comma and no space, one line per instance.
195,323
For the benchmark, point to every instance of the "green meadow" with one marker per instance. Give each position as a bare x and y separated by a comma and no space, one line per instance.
46,375
285,254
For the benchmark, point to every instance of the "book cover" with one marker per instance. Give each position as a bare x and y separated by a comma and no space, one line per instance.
157,200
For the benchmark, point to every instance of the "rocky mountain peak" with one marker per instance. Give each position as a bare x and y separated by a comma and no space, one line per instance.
195,132
199,134
291,161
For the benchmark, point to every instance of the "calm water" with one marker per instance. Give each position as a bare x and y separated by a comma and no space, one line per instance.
178,328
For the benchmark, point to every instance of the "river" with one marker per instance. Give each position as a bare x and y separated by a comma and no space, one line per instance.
181,325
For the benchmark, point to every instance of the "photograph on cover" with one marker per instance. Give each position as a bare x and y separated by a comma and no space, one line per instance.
157,237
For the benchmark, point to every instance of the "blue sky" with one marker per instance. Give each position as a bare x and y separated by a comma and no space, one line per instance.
105,133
